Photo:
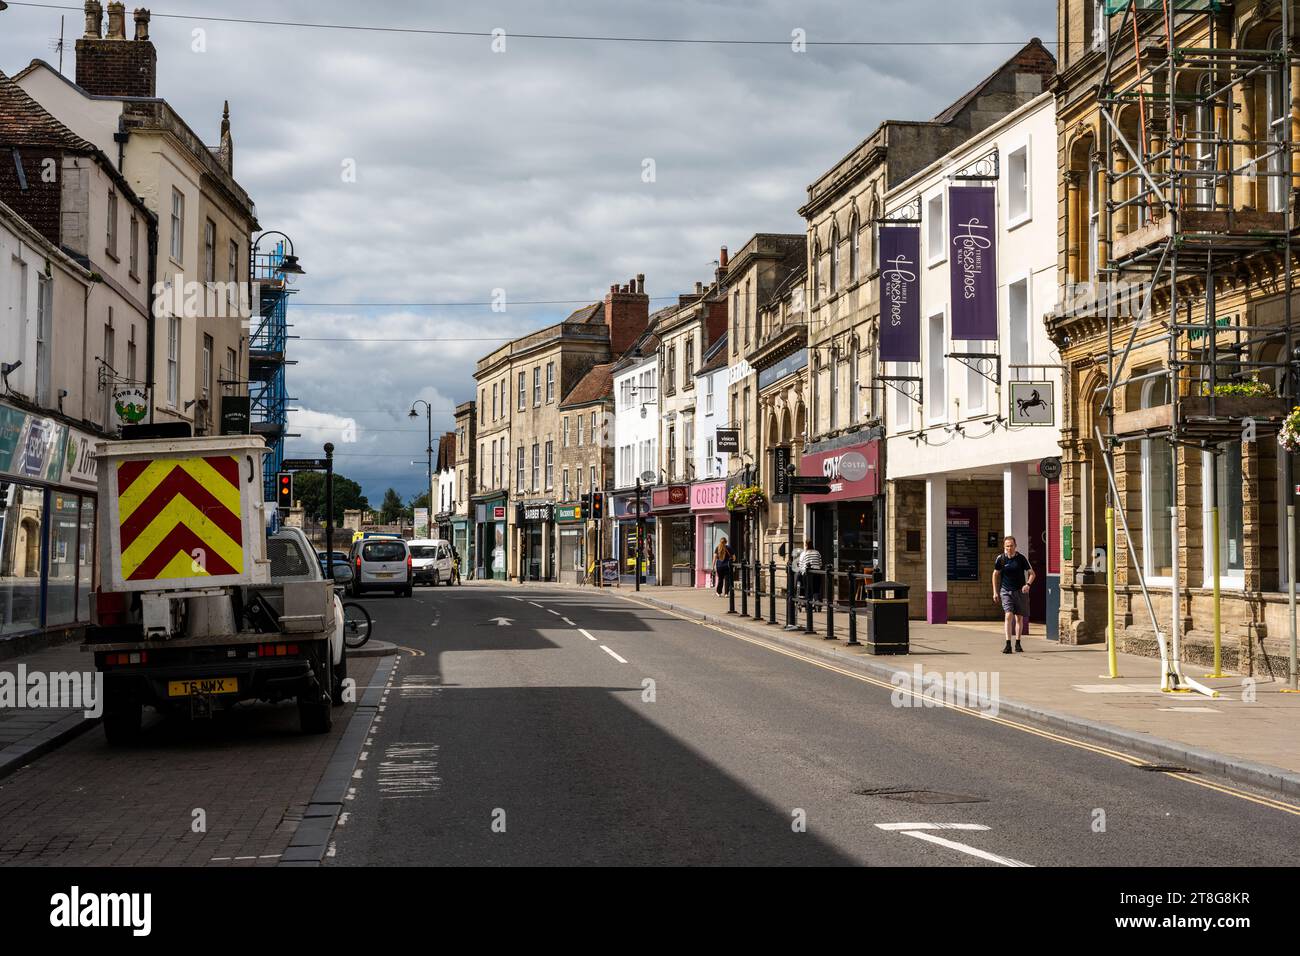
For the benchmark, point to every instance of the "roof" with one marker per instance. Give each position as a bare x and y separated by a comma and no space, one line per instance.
716,357
1032,56
588,314
24,122
598,383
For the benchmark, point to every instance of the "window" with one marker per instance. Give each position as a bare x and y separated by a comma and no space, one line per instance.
593,477
130,358
1094,219
209,251
594,440
134,240
519,469
1018,186
550,382
112,225
710,466
232,262
110,348
936,392
44,332
854,389
672,453
736,319
835,260
564,438
173,359
689,380
1278,185
855,250
936,243
579,431
1225,469
1018,325
494,401
178,226
206,387
550,465
1157,491
232,365
579,471
755,314
688,446
565,486
523,401
482,461
537,386
670,370
835,390
744,422
902,402
975,391
537,467
708,395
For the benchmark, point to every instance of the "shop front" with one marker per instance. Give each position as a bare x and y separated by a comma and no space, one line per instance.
846,525
676,532
535,523
490,538
628,530
47,523
570,529
462,539
712,524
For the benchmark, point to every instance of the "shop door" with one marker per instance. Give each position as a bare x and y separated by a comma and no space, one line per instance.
1038,555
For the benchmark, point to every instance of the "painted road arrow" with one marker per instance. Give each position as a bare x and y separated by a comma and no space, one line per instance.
502,621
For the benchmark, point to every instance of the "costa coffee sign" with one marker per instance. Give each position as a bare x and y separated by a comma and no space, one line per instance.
852,472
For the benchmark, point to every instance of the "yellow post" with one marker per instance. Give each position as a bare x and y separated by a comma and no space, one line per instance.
1214,565
1111,657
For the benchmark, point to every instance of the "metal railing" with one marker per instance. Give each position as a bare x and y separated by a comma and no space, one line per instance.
817,597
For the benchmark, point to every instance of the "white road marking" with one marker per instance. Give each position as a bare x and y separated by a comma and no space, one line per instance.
612,654
365,755
245,858
1190,710
332,849
568,622
351,794
343,818
356,774
408,770
583,631
918,830
220,859
269,856
535,604
1117,688
556,613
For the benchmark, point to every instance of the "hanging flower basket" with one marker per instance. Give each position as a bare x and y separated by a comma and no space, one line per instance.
745,498
1289,435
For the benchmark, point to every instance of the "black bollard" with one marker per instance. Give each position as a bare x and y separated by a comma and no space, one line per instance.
789,597
853,612
731,588
829,583
771,592
744,590
807,602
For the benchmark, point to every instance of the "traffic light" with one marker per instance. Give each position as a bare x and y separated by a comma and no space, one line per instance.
284,489
597,505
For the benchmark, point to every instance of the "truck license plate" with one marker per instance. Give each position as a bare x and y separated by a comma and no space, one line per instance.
209,685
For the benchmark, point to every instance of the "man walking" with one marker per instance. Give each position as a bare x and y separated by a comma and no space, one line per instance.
810,559
1012,576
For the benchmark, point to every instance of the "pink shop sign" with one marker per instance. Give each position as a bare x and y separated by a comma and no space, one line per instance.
709,496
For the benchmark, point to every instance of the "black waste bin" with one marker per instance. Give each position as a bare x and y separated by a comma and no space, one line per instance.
887,620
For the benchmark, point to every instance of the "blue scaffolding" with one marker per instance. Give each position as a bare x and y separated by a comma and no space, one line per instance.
268,397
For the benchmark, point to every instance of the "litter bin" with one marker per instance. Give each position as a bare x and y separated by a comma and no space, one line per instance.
887,621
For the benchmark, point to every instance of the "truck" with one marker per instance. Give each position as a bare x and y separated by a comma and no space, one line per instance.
198,607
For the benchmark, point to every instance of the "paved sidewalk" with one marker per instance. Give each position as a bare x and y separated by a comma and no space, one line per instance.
25,732
1060,686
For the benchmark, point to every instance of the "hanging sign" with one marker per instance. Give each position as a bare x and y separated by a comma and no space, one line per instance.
972,216
131,404
900,294
1033,403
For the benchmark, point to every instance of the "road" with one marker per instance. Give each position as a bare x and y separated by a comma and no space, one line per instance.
538,726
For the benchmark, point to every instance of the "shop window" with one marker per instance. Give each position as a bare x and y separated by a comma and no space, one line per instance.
1224,469
1157,492
22,509
61,590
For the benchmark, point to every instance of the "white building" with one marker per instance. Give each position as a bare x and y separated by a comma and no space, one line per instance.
961,473
636,446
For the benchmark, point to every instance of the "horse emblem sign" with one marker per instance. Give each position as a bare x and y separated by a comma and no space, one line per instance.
1033,403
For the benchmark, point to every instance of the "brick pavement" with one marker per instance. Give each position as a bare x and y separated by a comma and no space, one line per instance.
251,773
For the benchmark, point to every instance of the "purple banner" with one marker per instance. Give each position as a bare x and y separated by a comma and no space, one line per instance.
972,216
900,294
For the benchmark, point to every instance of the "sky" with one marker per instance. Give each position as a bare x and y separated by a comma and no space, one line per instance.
423,177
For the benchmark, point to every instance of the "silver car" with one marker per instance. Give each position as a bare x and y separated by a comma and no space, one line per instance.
381,564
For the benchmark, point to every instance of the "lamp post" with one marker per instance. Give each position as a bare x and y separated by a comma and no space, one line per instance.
428,450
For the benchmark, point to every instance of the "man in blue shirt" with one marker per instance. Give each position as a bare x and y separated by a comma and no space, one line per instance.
1012,576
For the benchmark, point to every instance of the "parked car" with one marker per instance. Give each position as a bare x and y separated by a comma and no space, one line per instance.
381,564
340,557
431,561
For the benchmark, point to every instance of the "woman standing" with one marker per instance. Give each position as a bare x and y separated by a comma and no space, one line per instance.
722,557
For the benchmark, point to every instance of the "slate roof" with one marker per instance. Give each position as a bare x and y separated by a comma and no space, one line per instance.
24,122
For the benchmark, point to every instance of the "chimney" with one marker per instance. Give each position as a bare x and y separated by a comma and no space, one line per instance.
113,65
94,20
117,20
627,311
722,259
699,287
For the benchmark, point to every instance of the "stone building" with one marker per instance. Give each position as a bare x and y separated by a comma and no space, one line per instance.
200,259
586,463
462,520
1181,395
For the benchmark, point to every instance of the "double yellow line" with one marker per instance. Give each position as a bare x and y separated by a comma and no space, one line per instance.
1127,758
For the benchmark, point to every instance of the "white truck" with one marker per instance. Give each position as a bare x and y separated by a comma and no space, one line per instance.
198,608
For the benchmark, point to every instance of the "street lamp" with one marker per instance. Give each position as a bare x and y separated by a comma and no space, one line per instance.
428,450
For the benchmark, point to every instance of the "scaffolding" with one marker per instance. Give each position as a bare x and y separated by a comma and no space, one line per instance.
1197,198
268,397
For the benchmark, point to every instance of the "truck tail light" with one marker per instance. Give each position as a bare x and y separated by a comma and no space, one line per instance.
135,657
277,650
109,609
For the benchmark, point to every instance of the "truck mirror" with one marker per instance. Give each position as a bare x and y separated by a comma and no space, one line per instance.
342,573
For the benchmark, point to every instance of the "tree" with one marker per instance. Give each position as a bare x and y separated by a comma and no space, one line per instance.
309,488
392,509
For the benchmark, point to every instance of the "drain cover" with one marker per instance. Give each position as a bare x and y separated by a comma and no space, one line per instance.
1164,768
906,795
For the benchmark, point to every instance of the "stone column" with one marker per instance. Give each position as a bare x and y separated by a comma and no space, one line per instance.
936,550
1015,505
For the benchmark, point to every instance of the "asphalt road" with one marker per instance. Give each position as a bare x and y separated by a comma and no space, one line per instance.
588,729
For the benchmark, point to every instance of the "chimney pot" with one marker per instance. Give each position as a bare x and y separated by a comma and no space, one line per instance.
613,288
141,23
722,258
699,287
640,282
94,19
117,20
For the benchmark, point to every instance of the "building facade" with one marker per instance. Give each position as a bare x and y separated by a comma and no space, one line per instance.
636,453
586,463
462,520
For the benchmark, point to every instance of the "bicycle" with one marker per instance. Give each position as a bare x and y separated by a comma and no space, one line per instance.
356,623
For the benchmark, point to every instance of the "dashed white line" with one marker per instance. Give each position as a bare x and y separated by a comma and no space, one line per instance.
612,654
583,631
568,622
931,826
556,613
917,830
535,604
356,774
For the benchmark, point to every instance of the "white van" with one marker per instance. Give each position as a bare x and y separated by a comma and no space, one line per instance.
431,561
381,564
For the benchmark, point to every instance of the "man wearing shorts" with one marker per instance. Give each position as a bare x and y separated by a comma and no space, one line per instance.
1012,576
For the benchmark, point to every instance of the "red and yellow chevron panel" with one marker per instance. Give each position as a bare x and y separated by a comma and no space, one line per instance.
179,518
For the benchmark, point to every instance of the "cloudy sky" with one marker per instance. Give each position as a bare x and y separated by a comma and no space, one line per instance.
521,170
